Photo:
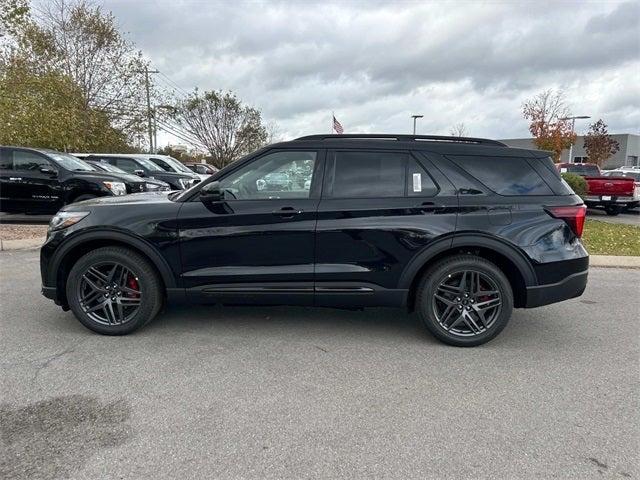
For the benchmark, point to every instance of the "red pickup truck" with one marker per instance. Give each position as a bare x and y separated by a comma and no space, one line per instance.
613,193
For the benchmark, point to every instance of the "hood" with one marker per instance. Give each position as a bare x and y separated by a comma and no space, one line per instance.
131,199
109,176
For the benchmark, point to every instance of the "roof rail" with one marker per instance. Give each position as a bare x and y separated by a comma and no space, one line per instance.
404,138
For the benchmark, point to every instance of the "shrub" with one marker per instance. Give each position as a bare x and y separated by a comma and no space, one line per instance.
577,183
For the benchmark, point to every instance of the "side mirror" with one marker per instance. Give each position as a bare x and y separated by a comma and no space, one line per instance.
140,173
48,171
211,192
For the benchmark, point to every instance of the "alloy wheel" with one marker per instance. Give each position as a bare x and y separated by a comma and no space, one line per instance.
109,293
467,303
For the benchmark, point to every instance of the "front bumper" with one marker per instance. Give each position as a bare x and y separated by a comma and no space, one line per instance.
569,287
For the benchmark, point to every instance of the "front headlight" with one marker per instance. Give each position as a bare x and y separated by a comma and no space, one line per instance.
65,219
117,188
152,187
185,182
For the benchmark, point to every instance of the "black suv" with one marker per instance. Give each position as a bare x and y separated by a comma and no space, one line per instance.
462,230
142,165
41,180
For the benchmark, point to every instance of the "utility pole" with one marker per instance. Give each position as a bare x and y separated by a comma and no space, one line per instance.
149,112
573,126
415,117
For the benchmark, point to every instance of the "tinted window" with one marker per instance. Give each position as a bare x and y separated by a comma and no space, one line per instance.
275,175
28,161
6,160
504,175
369,174
127,165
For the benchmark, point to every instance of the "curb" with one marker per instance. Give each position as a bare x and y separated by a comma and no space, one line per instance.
604,261
613,261
21,244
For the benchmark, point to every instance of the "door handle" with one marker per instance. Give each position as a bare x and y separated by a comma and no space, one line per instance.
287,212
427,207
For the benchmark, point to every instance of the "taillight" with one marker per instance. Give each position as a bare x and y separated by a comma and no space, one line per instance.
573,215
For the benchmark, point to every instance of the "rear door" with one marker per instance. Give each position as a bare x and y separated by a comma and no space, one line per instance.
379,208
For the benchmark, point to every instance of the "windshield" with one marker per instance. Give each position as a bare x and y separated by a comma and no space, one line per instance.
69,162
175,165
107,167
149,165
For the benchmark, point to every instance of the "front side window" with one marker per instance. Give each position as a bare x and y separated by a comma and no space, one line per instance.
28,161
276,175
127,165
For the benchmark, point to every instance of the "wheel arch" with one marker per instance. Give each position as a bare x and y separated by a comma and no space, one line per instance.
75,248
507,257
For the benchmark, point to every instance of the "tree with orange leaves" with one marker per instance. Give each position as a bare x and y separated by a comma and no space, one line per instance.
549,126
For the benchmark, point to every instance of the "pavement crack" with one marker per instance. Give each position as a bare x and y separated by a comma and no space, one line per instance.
49,360
322,349
598,463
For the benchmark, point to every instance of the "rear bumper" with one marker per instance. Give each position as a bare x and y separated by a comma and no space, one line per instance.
622,200
570,287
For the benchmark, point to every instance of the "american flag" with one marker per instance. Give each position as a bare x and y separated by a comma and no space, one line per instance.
337,127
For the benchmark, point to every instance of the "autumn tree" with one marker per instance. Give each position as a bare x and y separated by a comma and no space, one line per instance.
458,130
47,110
598,144
78,40
551,130
221,123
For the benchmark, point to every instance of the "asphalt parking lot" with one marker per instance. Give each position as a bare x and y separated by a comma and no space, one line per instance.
318,393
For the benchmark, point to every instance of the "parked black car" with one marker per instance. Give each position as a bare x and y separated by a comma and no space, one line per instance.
141,165
42,181
150,184
462,230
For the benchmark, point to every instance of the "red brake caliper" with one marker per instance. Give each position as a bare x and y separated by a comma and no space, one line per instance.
133,284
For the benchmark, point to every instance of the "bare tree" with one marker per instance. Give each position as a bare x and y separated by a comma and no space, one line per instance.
458,130
547,114
80,40
220,122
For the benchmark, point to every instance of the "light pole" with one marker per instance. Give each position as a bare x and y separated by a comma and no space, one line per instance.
415,117
573,124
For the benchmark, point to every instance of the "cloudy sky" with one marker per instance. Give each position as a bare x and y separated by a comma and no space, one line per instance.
377,62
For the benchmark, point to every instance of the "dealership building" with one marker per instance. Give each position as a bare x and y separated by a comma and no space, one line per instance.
628,155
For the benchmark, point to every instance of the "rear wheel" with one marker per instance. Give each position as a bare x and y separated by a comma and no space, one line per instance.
612,210
114,291
464,300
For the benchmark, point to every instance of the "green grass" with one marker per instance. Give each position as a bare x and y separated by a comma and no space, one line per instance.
603,238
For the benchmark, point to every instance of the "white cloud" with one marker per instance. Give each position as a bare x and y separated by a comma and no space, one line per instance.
375,63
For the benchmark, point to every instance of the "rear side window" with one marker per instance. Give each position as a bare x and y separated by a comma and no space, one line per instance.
504,175
379,174
28,160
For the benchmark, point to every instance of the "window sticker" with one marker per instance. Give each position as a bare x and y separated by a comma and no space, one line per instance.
417,182
563,169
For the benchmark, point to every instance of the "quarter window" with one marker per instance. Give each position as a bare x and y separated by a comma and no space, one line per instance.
276,175
504,175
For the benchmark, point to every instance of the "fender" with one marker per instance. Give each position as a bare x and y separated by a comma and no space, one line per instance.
471,240
145,247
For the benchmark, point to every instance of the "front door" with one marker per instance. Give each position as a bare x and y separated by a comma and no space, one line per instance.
29,182
256,246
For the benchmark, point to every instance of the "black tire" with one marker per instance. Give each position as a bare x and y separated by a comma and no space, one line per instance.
612,210
80,198
147,280
449,269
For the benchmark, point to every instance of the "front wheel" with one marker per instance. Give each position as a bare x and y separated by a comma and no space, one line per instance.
114,291
464,300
